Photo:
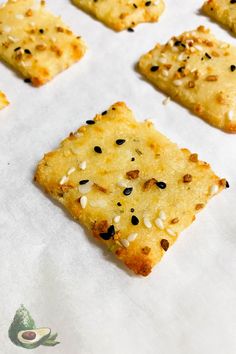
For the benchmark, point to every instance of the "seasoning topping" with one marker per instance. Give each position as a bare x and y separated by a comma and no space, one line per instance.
132,174
109,234
127,191
165,244
134,220
90,122
120,141
83,181
97,149
187,178
161,185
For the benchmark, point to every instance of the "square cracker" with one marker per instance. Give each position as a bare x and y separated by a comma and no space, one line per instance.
35,42
122,14
3,100
141,190
198,71
223,11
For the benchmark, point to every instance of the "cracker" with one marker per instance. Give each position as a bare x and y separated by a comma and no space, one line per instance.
129,185
35,42
3,100
198,71
121,14
223,11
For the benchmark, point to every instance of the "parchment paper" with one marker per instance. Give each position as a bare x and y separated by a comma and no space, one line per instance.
47,261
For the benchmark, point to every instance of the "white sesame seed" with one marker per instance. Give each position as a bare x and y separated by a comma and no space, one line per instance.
175,49
19,16
163,60
83,201
198,47
6,29
171,43
124,242
64,180
71,170
214,189
165,72
132,237
13,39
181,57
166,101
98,203
159,223
224,45
162,215
83,165
85,188
32,24
170,232
230,115
122,184
178,83
117,219
78,134
147,222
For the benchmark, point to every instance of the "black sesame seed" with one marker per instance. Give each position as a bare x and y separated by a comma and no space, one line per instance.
133,159
233,2
161,185
41,31
27,80
17,48
83,181
127,191
132,210
97,149
111,230
134,220
180,70
177,43
120,141
90,122
154,68
119,204
135,6
27,51
130,29
208,55
105,236
232,68
227,184
104,113
148,3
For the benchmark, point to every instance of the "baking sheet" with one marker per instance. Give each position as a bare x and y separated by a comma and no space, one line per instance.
47,262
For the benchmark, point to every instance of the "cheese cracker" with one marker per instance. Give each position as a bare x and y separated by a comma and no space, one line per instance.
223,11
121,14
3,100
198,71
131,187
35,42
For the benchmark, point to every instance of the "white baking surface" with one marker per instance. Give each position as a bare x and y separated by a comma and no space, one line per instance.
47,262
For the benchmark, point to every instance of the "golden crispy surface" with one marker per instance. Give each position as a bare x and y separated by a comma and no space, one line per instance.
223,11
196,70
121,14
3,100
35,42
167,186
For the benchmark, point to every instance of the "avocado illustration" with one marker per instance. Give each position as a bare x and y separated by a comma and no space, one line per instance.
23,331
33,338
21,322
